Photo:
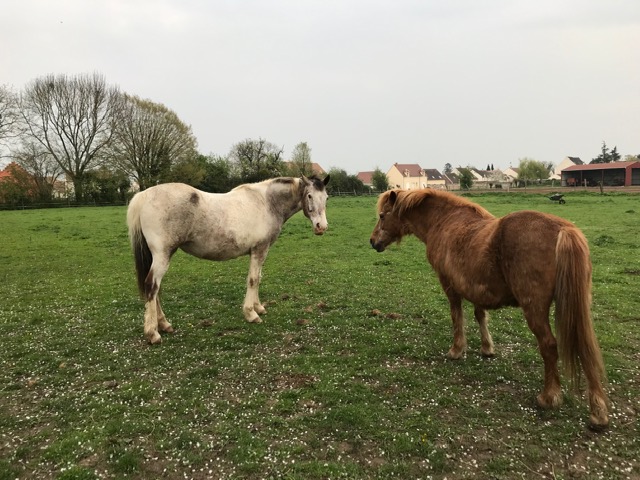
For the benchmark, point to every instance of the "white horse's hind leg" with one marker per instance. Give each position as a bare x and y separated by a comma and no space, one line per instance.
252,307
163,324
151,322
153,314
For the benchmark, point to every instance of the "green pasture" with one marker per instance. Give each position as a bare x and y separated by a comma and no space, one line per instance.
346,377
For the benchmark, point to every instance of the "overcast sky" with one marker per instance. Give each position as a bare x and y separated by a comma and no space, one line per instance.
365,83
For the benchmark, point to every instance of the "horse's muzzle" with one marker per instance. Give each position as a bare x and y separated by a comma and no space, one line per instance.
319,229
377,246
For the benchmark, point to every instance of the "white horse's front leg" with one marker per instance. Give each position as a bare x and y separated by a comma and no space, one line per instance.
252,307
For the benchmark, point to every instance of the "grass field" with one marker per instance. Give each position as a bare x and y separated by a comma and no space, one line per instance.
346,378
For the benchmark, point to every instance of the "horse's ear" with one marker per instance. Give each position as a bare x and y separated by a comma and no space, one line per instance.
393,196
305,180
326,180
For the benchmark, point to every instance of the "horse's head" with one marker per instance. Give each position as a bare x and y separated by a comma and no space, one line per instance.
390,227
314,202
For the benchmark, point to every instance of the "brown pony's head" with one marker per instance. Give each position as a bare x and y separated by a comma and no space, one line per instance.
390,227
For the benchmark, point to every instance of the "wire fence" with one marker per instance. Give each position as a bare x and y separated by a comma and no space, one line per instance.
66,204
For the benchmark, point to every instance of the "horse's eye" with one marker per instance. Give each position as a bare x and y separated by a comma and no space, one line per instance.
309,196
382,216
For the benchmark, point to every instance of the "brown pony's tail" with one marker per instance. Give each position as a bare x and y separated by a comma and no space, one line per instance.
577,342
141,253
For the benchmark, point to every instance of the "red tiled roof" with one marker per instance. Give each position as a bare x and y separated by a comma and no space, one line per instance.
366,177
315,167
7,172
601,166
414,168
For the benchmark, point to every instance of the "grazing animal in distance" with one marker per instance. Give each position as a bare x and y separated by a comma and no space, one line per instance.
525,259
215,226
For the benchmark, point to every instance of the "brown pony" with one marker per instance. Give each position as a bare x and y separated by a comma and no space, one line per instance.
527,259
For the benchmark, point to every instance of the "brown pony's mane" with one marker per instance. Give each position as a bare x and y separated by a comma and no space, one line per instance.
407,200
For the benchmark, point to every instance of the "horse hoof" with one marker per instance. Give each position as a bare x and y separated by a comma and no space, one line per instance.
155,339
168,329
549,401
598,424
599,419
260,310
488,353
455,354
254,320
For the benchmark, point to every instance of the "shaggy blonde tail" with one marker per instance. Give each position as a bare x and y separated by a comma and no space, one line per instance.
577,342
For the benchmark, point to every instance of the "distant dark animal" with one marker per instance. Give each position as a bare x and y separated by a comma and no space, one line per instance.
526,259
214,226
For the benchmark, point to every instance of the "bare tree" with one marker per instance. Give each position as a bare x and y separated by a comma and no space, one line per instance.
72,118
9,116
149,140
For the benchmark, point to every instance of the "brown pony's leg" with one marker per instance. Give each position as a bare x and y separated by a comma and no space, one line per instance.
487,342
538,322
459,340
597,401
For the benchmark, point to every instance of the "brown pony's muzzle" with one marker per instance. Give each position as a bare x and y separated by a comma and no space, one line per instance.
378,246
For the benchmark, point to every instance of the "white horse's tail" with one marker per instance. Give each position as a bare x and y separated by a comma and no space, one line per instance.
141,253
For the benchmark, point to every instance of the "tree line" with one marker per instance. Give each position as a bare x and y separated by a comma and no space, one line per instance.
103,140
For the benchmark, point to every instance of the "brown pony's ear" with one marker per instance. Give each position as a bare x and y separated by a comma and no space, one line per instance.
393,196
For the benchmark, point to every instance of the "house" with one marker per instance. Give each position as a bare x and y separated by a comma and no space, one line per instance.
452,181
474,173
404,175
481,175
434,179
366,178
410,176
511,173
15,180
294,170
485,178
61,188
15,172
6,173
565,163
614,174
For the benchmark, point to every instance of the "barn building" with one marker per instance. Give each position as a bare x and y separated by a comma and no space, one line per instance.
614,174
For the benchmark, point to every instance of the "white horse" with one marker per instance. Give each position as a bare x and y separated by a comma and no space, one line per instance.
214,226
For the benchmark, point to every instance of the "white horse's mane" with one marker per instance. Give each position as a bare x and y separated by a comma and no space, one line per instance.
280,180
